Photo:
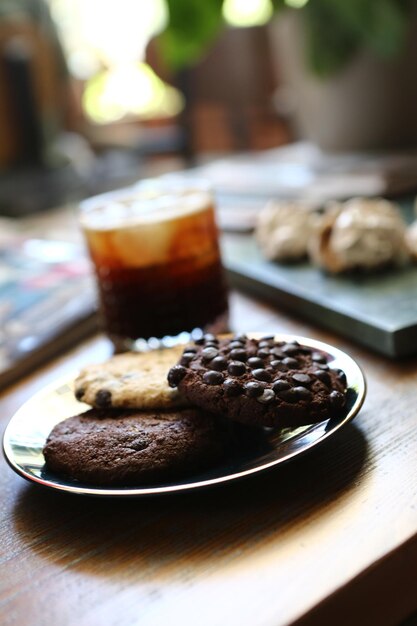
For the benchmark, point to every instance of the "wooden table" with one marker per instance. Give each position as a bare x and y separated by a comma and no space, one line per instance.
330,538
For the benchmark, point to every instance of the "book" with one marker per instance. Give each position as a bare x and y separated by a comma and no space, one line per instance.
47,301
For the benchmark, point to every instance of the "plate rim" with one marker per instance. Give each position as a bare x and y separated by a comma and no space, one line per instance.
144,491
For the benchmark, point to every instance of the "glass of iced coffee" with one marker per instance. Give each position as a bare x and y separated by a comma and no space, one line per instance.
156,256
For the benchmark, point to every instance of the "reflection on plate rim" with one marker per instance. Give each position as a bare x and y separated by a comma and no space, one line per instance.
181,487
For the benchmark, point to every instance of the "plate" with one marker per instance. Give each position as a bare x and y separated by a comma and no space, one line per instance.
28,429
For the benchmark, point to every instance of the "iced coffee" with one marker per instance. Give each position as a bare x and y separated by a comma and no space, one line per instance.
157,261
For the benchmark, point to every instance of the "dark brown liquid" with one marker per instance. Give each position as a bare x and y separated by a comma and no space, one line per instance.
159,278
161,300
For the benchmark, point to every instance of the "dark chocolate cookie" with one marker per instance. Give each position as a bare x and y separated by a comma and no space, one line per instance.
262,382
131,447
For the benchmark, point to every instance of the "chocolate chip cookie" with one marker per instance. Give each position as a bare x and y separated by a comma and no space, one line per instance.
131,380
129,447
260,381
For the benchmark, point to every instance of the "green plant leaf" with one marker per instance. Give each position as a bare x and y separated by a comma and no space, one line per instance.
335,29
329,41
379,24
193,25
388,26
278,4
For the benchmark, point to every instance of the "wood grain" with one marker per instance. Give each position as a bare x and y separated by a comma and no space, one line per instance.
321,540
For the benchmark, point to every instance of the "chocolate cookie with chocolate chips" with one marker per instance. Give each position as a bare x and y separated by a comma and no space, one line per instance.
260,381
105,447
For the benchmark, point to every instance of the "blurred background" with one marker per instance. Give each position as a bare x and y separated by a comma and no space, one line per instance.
92,92
268,99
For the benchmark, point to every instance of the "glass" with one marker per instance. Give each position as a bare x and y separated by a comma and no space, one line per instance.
157,261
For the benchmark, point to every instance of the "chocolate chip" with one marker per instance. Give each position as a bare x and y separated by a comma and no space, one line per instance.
213,378
337,399
267,397
176,374
219,363
103,399
263,353
80,393
238,354
322,366
288,395
241,338
280,385
236,368
199,342
290,348
236,344
264,344
254,389
186,358
302,393
189,350
255,362
267,338
209,337
341,376
290,362
277,353
279,366
261,374
318,357
303,379
323,376
209,353
232,387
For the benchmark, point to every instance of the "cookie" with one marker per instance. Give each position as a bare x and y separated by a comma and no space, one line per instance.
283,230
411,240
261,382
130,447
131,380
360,234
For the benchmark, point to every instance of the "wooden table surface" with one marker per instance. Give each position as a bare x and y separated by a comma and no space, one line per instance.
330,538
